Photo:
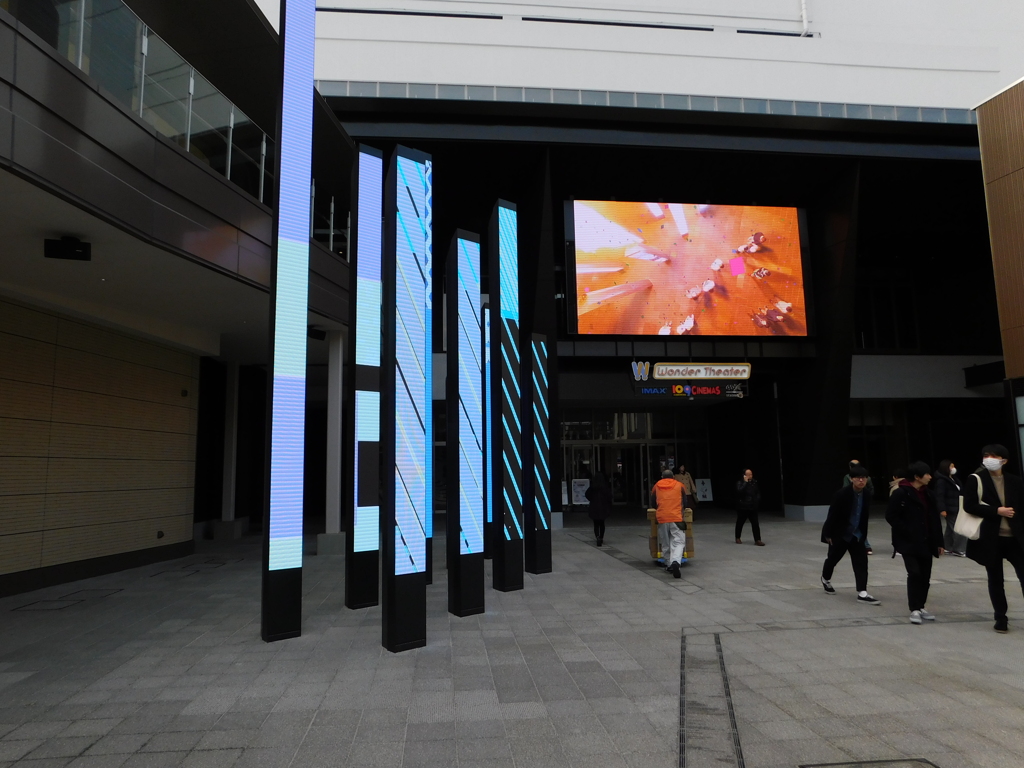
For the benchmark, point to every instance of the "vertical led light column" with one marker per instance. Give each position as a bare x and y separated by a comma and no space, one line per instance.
281,614
465,442
488,480
406,436
537,521
362,428
506,393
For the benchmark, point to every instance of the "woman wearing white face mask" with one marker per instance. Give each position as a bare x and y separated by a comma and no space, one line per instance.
947,491
995,496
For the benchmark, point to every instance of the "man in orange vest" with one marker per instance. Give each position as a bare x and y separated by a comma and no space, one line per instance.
669,497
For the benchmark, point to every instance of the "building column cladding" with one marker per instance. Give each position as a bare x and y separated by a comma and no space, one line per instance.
1001,135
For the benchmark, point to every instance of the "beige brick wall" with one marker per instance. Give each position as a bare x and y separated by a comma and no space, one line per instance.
97,440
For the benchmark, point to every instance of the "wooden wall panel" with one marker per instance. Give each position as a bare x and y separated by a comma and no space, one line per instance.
21,400
20,551
23,437
65,545
29,323
21,475
87,372
21,514
1001,136
89,441
69,510
97,441
87,338
73,407
1001,133
26,359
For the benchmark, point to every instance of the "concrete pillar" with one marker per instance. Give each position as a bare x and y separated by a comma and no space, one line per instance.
332,542
230,527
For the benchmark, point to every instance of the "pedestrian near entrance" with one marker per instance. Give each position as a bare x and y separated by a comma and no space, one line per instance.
948,495
686,479
846,530
748,499
916,534
668,496
870,491
599,494
1002,529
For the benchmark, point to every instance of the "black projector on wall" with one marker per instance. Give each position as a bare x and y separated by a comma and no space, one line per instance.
67,248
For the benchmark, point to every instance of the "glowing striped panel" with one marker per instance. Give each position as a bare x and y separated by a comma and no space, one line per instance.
428,410
471,439
512,434
368,248
488,499
508,262
413,446
291,289
541,439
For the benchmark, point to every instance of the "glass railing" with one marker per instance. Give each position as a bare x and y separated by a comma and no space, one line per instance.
148,78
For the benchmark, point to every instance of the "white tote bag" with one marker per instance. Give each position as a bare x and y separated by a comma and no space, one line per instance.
966,524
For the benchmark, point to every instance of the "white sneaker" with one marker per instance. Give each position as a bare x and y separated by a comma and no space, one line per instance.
926,615
916,617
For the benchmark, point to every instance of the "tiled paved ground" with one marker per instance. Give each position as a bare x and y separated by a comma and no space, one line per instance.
582,668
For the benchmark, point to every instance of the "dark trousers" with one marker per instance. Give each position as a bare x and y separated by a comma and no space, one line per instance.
1009,549
919,576
742,515
599,529
858,559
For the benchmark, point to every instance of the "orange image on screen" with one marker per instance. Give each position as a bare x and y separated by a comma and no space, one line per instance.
675,269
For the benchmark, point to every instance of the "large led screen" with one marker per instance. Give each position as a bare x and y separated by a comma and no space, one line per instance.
411,420
678,269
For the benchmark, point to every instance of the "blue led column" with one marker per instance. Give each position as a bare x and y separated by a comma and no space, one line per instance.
465,441
488,483
537,520
506,393
406,439
281,615
362,475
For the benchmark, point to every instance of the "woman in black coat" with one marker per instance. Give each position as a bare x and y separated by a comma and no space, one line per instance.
947,491
916,534
1002,528
599,494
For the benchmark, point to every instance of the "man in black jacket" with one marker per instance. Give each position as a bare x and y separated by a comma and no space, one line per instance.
916,534
1002,532
748,499
846,530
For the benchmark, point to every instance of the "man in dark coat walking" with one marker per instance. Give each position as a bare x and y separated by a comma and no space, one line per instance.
846,530
994,496
916,534
748,499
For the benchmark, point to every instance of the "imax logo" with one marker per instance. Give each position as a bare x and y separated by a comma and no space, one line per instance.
641,371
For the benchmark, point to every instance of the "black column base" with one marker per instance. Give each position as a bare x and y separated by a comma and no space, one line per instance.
404,620
466,585
537,552
281,614
508,564
430,560
362,579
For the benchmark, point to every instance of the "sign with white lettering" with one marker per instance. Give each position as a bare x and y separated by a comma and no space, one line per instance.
690,371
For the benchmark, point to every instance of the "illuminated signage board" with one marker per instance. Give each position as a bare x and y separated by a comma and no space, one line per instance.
691,371
412,395
470,398
290,291
684,269
368,245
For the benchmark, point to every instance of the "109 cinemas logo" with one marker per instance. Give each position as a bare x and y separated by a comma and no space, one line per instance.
728,380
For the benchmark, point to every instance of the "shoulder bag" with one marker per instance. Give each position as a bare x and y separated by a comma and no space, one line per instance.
966,524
